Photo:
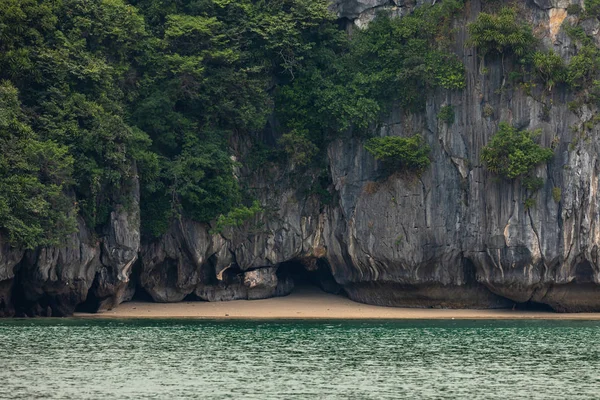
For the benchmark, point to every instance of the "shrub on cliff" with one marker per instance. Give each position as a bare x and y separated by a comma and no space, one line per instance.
400,153
549,67
501,33
298,148
513,153
584,67
592,8
446,114
236,217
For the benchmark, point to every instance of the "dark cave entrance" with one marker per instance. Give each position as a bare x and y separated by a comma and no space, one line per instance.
309,274
533,306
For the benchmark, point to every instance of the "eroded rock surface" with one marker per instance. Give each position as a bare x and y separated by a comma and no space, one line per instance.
89,270
9,259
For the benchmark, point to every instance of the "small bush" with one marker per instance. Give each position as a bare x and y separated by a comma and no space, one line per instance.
446,114
595,92
549,67
298,147
576,33
583,67
488,111
592,8
573,9
236,217
529,203
574,105
557,194
533,183
501,33
400,152
513,153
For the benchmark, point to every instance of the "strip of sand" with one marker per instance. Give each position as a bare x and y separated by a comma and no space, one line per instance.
308,303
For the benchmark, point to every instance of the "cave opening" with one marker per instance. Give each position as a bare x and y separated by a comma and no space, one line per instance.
308,275
91,302
141,294
533,306
584,272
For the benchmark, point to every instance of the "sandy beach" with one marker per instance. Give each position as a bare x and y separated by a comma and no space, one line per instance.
310,303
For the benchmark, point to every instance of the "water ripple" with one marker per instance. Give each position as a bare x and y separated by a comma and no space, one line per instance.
75,359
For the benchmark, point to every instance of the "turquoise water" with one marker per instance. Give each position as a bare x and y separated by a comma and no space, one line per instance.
76,359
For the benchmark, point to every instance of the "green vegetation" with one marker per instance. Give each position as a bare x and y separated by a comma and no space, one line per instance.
501,33
70,61
298,147
549,67
400,153
584,67
237,217
446,114
98,94
349,84
557,194
583,71
488,111
209,70
95,95
34,210
573,9
400,59
595,92
532,183
505,35
592,8
529,203
513,153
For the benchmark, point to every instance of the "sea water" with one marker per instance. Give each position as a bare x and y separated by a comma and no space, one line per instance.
199,359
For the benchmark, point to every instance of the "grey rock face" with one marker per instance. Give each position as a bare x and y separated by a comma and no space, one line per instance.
119,252
53,280
88,270
172,266
9,259
251,285
549,4
361,12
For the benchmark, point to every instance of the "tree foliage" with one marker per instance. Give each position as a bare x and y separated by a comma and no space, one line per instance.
34,210
237,217
400,153
350,84
97,95
592,8
446,114
501,33
549,67
512,153
70,60
584,66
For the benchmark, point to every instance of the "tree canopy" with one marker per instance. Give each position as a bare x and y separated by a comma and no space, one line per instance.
95,95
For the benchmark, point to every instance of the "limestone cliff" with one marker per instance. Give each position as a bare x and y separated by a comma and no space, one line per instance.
455,236
89,271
